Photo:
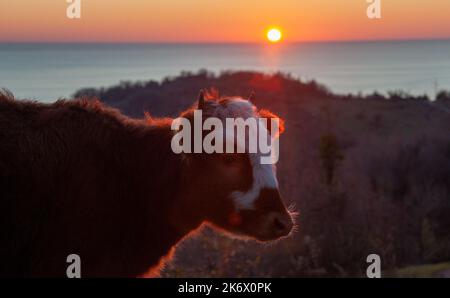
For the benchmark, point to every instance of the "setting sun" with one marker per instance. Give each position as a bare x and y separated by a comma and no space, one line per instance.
274,35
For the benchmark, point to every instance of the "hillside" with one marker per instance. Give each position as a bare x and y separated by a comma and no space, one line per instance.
368,174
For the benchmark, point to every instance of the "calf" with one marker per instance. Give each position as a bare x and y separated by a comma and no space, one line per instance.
77,177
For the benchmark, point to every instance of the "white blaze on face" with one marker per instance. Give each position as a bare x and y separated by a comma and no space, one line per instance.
263,177
263,174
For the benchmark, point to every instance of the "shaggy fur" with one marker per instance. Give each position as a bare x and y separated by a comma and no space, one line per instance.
75,173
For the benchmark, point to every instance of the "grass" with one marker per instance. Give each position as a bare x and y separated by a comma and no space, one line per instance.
428,270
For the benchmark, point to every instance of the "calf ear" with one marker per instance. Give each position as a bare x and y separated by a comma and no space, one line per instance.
201,99
269,115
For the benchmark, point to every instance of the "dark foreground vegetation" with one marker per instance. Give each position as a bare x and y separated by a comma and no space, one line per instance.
368,174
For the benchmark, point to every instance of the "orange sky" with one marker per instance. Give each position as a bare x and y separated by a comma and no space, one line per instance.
221,20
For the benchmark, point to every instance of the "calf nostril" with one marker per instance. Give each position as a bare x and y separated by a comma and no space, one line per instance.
278,224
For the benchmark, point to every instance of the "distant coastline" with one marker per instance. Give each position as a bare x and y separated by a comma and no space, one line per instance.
174,93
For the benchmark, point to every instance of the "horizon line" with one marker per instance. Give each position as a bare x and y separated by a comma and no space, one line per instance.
224,42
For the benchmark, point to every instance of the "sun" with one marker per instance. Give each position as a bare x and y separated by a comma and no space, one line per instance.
274,35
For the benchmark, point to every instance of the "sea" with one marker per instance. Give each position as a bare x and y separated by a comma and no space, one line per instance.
48,71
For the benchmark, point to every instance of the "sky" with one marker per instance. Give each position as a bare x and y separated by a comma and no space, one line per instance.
221,20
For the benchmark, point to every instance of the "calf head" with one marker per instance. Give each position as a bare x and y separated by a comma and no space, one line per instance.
235,192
